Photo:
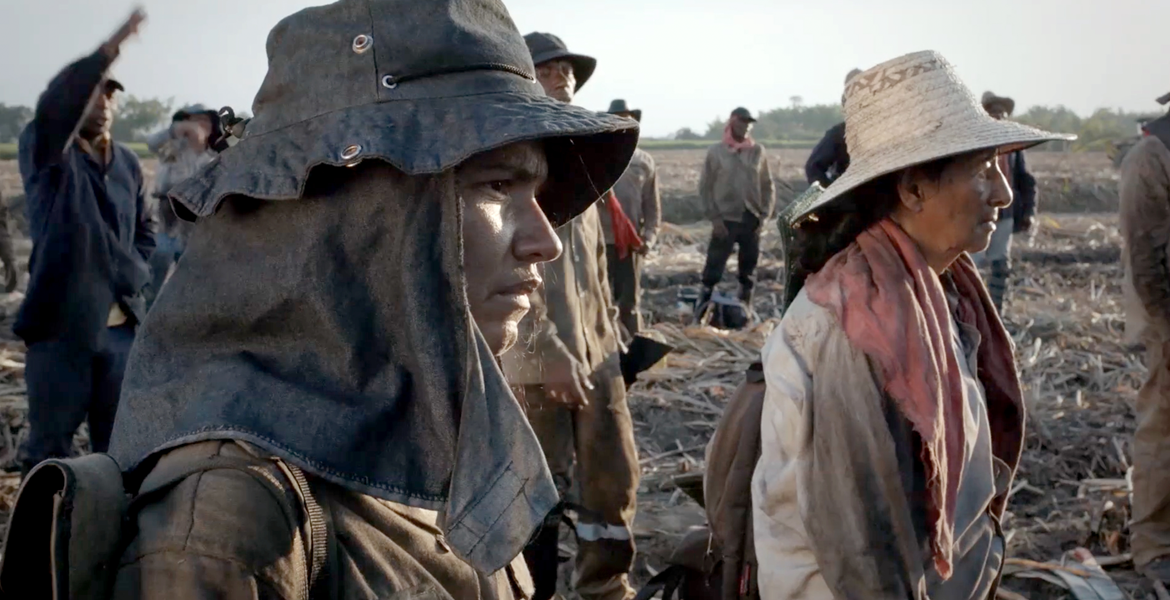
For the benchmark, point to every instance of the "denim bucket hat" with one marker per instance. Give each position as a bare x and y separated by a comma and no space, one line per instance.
546,46
420,85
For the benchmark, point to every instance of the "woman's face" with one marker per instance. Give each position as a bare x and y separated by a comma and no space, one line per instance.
505,236
956,211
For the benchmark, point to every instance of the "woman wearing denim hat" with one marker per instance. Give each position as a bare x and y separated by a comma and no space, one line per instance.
314,407
893,423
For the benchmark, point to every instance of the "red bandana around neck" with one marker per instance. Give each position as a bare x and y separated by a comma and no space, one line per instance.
736,145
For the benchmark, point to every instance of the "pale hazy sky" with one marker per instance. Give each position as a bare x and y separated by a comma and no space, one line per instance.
683,62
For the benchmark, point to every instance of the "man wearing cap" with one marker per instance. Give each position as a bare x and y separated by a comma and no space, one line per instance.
630,226
1019,218
830,157
893,420
92,234
567,366
736,188
314,408
1145,225
182,149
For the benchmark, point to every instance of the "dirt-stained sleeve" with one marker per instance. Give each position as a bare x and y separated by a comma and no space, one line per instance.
184,576
767,186
832,519
554,294
1145,222
651,203
707,184
857,507
824,156
592,219
146,227
219,534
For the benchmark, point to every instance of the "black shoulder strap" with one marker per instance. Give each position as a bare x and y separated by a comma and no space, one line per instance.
283,478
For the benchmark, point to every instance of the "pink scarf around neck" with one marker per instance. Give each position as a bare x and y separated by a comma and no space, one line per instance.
734,144
894,309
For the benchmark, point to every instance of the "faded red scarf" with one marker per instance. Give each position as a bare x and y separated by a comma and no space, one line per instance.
625,235
732,143
894,309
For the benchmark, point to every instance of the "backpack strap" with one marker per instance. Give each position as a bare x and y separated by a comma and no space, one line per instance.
286,481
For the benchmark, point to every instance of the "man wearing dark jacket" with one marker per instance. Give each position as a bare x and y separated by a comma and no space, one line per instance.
92,235
1017,218
830,158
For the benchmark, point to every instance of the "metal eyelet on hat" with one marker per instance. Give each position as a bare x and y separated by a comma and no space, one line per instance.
389,83
362,42
351,152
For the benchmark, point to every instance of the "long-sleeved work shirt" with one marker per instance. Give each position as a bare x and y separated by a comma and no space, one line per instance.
1145,227
734,181
637,190
864,533
573,313
223,534
1023,184
91,228
829,158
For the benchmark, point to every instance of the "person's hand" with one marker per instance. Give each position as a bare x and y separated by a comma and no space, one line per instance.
565,382
128,29
647,245
719,229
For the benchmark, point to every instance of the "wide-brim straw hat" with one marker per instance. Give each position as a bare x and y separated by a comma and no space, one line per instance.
910,111
420,85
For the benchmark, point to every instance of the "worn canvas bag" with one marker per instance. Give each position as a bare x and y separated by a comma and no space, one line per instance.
718,562
73,519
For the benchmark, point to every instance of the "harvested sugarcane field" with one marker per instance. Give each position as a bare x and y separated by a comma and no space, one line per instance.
1069,505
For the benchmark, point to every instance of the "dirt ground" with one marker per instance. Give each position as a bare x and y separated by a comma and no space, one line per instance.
1065,314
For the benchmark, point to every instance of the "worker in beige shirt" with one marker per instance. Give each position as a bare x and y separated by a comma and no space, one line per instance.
637,198
737,190
566,368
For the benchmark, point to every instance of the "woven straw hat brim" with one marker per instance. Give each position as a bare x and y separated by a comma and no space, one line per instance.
1005,136
587,151
913,110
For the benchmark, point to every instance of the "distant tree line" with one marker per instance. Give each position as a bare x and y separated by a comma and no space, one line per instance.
798,122
1095,132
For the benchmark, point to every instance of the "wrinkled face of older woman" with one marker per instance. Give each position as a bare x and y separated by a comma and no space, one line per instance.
505,237
954,210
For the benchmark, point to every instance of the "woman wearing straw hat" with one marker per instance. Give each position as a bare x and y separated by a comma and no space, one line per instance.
893,420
